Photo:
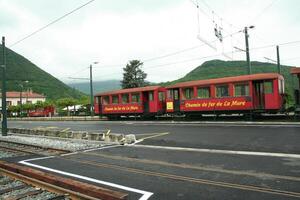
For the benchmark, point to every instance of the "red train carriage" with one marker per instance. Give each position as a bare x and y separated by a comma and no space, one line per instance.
42,112
144,101
257,92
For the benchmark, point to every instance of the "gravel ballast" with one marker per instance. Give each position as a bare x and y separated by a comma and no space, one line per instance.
56,143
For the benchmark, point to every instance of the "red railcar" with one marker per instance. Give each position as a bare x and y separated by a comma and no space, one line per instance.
143,101
256,92
42,112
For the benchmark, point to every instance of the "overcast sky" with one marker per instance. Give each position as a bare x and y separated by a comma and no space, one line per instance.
113,32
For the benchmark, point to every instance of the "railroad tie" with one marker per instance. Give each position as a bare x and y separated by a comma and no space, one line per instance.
26,194
13,188
59,197
6,181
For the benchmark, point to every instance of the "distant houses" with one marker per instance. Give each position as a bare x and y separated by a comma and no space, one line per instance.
14,98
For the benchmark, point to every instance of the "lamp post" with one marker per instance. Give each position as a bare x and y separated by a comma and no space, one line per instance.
91,88
21,86
247,48
21,97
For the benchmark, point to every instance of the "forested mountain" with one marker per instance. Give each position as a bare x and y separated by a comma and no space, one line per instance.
20,70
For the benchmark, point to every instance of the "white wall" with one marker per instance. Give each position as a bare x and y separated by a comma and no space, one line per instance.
14,101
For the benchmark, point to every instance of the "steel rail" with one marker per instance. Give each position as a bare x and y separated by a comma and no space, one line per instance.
59,185
49,187
193,180
60,151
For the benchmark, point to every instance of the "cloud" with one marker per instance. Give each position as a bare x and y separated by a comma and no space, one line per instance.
114,33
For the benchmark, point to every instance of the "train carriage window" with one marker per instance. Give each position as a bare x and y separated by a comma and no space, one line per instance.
176,94
161,96
203,92
188,93
268,87
170,94
222,91
135,98
151,96
241,90
115,99
125,98
105,100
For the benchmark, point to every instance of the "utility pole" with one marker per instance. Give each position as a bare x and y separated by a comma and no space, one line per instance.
4,112
91,92
278,60
247,50
91,87
21,100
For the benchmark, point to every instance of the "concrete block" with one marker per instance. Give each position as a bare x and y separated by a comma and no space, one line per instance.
77,135
130,138
94,136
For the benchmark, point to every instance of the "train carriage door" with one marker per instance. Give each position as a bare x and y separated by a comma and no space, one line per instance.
258,95
98,99
147,96
176,98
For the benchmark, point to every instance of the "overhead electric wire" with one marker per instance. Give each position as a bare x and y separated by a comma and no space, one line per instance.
263,11
220,17
209,56
52,22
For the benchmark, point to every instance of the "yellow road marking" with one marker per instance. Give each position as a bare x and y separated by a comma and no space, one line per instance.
187,166
193,180
155,135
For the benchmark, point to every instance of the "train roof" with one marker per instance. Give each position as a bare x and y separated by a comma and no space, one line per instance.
227,80
129,90
295,70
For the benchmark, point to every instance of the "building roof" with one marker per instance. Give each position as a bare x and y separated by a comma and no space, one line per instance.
227,80
295,70
129,90
14,94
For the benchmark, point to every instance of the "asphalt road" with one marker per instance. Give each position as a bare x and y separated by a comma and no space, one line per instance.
187,161
269,138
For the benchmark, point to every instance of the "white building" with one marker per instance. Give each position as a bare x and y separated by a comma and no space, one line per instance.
14,98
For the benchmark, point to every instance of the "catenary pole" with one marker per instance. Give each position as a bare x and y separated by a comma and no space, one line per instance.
278,60
4,112
247,50
91,92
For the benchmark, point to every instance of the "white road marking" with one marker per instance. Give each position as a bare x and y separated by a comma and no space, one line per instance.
105,147
155,135
145,194
250,153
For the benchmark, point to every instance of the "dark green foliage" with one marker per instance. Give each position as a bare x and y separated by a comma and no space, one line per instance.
219,68
20,69
133,75
65,102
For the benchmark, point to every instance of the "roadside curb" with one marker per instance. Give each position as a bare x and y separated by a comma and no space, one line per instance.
81,135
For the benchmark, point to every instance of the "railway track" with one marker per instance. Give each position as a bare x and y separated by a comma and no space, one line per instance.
15,189
19,182
27,149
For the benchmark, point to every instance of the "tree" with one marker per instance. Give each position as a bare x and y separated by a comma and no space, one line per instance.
27,107
66,102
133,75
14,109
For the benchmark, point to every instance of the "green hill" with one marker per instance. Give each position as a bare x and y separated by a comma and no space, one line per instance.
19,69
98,86
219,68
